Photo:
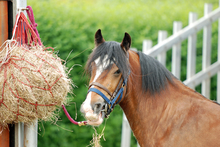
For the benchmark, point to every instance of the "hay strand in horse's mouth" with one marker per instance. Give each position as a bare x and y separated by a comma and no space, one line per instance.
95,142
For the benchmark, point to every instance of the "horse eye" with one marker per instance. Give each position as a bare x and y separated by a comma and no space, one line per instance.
117,72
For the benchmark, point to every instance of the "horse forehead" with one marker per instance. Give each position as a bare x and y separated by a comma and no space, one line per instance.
102,65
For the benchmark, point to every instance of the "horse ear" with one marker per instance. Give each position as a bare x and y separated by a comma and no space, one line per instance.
98,37
126,42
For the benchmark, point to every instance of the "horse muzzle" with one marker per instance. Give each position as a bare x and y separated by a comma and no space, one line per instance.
94,114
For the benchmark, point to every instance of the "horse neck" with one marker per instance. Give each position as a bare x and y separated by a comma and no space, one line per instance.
149,115
134,104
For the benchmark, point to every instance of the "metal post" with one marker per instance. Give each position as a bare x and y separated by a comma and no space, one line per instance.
19,134
30,134
25,135
19,127
22,4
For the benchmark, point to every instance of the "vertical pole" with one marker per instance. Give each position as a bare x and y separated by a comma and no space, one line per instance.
147,44
22,4
19,127
162,35
30,134
4,133
191,50
206,57
19,134
25,135
218,75
126,133
176,51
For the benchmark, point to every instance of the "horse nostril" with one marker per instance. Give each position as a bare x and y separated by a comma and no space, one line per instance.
97,107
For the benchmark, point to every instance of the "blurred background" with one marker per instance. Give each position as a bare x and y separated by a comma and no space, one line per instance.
69,26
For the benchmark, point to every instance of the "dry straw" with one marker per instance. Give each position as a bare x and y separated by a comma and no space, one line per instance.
33,82
96,138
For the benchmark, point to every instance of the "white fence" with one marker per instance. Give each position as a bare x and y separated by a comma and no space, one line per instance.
193,79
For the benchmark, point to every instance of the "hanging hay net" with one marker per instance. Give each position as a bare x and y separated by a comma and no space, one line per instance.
33,81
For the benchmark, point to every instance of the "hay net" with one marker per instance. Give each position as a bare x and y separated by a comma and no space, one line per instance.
33,81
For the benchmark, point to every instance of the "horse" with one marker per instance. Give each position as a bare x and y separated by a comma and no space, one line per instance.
161,110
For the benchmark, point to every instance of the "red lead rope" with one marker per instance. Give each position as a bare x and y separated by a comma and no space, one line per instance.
82,123
33,23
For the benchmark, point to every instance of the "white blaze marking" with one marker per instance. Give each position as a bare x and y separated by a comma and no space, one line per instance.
101,67
87,103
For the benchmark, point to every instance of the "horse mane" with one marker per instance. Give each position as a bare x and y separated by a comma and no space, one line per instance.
155,76
115,54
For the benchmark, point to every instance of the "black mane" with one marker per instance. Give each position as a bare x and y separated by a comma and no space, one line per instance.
115,54
155,76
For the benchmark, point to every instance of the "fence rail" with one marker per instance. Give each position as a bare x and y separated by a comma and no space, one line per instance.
174,42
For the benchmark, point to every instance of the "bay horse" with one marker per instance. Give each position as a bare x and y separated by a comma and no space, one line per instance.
161,110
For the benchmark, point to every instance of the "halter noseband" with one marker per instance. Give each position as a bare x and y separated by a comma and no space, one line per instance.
110,102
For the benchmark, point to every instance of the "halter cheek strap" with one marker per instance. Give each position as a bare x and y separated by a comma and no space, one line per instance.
110,102
118,92
114,96
100,86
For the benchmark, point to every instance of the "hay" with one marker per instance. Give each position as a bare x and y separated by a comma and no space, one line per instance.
96,138
33,82
95,142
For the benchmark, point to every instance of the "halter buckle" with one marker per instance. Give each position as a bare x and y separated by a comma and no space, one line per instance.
106,108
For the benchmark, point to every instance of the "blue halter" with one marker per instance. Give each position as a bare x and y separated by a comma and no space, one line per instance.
110,102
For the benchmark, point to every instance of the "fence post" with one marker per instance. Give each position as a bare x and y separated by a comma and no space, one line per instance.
191,50
206,57
147,44
218,75
176,51
126,133
162,35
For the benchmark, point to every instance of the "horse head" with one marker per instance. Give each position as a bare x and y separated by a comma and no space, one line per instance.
108,67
